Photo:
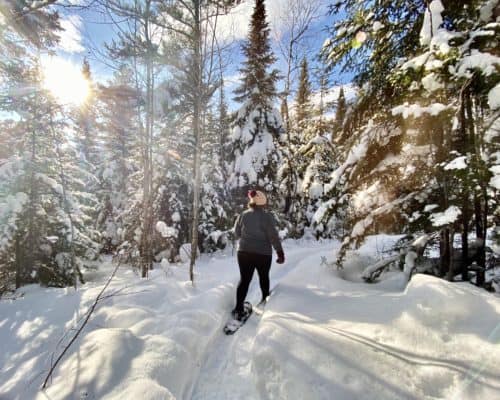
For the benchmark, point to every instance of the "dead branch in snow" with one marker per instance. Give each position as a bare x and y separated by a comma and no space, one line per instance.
89,313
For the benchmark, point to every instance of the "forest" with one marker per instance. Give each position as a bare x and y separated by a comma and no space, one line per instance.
133,133
154,161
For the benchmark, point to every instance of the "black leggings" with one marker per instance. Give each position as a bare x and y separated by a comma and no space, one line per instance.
248,262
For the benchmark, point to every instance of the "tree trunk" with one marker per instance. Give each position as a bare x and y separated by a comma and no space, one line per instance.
196,131
147,204
480,222
444,248
465,231
19,262
451,272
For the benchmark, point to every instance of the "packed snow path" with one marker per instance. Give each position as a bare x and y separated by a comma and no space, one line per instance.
228,369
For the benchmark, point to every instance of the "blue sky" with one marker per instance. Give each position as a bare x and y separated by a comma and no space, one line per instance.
86,31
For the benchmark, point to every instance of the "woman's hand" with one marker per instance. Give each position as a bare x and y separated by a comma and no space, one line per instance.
281,257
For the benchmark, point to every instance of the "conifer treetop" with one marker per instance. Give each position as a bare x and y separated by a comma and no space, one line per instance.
303,94
257,84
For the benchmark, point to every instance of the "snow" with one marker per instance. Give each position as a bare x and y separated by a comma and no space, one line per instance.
416,62
323,334
494,97
485,62
457,163
416,110
495,179
10,208
431,82
370,197
449,216
440,41
486,11
355,154
52,183
377,25
432,21
166,231
430,207
176,217
257,146
316,190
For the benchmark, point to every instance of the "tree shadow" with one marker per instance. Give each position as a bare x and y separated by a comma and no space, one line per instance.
320,380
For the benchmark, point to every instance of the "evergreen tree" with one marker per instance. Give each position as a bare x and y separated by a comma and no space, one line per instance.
412,138
257,85
85,124
213,216
46,233
303,101
257,126
292,174
117,127
340,114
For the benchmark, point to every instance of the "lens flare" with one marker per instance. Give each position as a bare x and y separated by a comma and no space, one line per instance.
359,39
64,81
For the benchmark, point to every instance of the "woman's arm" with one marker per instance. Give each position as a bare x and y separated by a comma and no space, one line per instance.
237,227
272,233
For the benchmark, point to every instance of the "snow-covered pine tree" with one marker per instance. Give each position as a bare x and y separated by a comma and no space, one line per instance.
117,126
46,229
340,114
173,176
86,134
319,154
23,34
396,170
371,185
257,126
213,214
296,161
453,76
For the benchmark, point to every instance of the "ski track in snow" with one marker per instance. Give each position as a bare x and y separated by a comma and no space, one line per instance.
227,371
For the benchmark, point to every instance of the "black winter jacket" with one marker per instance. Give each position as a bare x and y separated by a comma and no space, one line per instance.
257,232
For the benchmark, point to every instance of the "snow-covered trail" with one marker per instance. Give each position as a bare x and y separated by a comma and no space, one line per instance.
324,334
227,372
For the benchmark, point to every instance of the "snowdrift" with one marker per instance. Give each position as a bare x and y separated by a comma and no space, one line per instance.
331,338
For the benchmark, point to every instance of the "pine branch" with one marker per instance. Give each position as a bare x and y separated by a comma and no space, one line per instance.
36,7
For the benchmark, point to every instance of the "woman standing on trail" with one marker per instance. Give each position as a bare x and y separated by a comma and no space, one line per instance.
256,230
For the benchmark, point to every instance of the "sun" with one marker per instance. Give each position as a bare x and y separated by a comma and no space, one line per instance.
65,81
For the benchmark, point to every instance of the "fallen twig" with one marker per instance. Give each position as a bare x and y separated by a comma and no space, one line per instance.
89,313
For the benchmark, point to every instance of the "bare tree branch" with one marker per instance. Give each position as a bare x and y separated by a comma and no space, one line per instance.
92,308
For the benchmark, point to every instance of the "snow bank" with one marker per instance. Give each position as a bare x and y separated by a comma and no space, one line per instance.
146,342
322,337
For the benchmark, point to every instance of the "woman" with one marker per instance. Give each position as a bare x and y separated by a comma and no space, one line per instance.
257,233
